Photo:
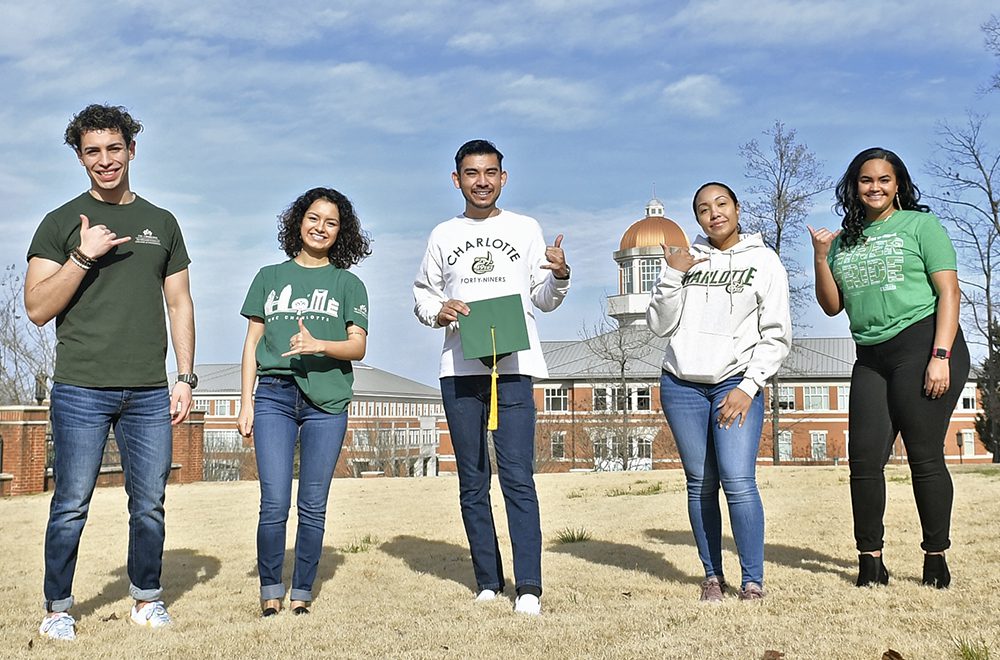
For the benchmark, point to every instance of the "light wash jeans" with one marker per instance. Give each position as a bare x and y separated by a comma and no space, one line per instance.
712,456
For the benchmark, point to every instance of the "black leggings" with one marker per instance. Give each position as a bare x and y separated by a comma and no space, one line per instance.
887,397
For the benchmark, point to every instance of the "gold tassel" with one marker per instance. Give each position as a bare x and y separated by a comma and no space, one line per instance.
494,420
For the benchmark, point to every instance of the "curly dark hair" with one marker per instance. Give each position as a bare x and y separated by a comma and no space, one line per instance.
101,118
352,245
849,202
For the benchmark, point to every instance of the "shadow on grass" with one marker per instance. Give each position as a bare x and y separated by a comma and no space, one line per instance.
329,562
787,555
183,568
622,555
446,561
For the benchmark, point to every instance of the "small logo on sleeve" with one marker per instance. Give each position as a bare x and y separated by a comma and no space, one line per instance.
361,310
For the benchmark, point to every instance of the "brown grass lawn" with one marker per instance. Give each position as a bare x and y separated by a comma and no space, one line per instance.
630,592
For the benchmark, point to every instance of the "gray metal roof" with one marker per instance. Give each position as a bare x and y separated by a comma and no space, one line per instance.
810,357
369,381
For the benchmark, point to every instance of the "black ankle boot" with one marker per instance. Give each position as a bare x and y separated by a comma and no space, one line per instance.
936,573
871,570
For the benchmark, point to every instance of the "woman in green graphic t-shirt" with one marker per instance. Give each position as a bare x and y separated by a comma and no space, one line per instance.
308,319
893,269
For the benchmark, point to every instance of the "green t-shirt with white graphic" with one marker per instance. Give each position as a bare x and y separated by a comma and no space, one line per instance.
886,280
113,332
328,299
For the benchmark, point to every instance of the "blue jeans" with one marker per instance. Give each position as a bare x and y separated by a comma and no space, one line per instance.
466,405
283,414
81,419
712,455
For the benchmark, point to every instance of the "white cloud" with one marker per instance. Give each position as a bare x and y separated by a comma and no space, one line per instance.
551,102
698,95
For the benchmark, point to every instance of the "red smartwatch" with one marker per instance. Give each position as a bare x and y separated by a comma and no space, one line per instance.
941,353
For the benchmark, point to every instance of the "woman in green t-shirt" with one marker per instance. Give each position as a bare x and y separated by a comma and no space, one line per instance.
893,269
307,320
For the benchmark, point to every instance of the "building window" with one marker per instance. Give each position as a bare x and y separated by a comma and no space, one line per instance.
785,445
556,399
222,408
558,444
968,398
786,397
818,441
644,448
201,404
816,397
217,442
626,275
643,399
600,398
649,269
843,397
968,442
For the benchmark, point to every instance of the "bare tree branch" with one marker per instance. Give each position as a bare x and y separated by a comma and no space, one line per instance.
27,352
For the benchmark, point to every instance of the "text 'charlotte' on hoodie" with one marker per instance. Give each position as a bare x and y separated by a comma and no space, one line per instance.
725,316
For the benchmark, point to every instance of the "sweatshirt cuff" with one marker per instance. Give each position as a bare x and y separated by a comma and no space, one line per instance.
749,387
672,275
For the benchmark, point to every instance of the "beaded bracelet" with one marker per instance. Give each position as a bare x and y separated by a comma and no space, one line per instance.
82,265
82,257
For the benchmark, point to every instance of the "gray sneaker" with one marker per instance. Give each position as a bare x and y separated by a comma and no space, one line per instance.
59,625
712,590
752,591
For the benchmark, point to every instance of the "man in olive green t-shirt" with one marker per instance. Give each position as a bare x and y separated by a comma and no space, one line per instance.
102,265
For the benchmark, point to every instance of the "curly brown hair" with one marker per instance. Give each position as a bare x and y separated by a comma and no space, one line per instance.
353,243
101,118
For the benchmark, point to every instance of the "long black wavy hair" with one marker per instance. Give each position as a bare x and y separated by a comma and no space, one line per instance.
352,245
849,201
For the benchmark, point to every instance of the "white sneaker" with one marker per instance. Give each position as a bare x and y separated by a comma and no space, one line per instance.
58,626
528,604
152,615
486,595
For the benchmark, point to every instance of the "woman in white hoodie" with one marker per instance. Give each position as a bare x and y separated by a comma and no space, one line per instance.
724,306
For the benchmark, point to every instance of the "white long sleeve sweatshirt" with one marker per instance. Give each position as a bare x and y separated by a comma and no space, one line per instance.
474,259
725,316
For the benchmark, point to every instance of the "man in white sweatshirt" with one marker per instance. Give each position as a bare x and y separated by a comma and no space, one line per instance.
487,252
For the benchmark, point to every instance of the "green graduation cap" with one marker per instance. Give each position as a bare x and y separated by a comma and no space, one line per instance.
494,328
494,319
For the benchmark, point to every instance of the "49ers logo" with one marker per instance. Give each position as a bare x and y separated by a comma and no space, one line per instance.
481,265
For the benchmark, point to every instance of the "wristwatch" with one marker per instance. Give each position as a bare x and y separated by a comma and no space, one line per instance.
191,379
941,353
562,278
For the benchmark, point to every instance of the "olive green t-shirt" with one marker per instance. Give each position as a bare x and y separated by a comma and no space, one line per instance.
328,299
886,280
113,331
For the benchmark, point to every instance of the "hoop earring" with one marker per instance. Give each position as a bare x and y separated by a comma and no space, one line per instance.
899,204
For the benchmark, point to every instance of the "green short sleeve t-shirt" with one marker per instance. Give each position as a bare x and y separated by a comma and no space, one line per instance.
113,331
886,281
327,299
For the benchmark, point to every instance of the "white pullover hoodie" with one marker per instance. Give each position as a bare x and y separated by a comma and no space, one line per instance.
726,316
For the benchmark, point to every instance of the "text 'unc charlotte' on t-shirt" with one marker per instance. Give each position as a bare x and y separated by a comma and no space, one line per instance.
327,299
886,280
113,331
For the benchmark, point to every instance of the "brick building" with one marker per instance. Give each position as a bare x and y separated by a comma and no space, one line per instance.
396,426
580,420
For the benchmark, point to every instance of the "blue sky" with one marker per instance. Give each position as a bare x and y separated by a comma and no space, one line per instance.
247,104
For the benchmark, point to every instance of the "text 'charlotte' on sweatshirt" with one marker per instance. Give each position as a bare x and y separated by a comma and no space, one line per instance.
725,316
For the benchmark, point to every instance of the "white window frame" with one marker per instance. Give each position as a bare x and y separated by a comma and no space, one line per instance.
811,392
818,439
